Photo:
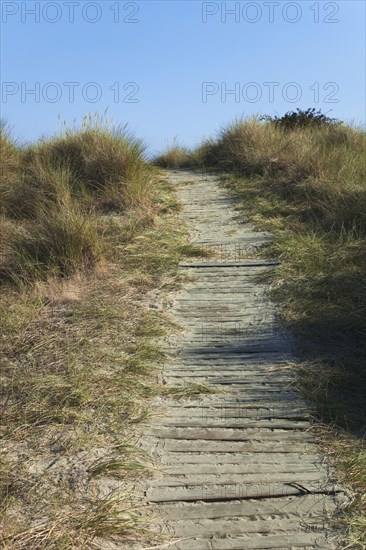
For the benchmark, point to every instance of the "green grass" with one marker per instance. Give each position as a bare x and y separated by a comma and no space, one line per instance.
307,186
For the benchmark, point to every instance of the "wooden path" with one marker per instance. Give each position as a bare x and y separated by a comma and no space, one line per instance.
239,468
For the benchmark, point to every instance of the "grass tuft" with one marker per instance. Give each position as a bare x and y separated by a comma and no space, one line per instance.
175,156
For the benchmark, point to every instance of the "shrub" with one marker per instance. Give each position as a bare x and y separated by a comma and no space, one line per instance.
301,119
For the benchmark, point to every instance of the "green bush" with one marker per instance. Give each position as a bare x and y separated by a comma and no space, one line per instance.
301,119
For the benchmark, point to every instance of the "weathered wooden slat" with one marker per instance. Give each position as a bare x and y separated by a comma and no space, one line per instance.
222,478
241,467
307,541
238,526
231,434
238,491
217,377
248,459
308,505
229,423
225,413
218,264
235,402
278,446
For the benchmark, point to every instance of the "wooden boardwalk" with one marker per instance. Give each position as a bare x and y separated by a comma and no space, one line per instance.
239,468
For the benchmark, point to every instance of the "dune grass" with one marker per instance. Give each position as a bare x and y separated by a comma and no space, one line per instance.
89,237
175,156
52,199
307,185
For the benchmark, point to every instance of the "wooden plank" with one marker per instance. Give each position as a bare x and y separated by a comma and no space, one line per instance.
306,505
211,528
281,541
182,445
236,413
231,434
230,264
237,491
207,422
242,467
220,477
249,459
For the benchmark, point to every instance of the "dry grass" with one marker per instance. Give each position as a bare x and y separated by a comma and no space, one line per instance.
307,186
79,338
53,192
174,156
9,154
78,356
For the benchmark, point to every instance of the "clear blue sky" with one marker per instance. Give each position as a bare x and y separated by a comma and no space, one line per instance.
182,58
